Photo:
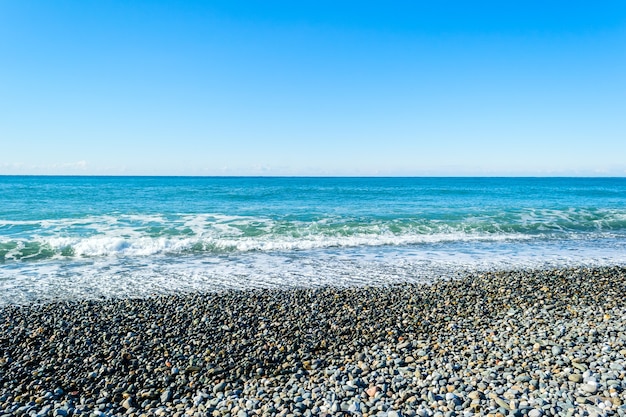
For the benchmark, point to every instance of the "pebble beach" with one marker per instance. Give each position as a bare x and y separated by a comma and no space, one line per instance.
535,343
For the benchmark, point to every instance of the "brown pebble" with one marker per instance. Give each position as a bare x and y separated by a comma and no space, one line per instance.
371,391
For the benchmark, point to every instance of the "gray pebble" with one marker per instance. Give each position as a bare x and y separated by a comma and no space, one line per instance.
442,349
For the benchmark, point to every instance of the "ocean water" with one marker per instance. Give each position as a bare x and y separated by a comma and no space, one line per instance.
94,237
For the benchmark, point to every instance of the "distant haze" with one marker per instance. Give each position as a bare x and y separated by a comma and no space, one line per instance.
313,88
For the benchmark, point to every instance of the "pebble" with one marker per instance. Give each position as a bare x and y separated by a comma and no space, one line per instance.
219,387
546,342
590,388
166,396
557,350
577,378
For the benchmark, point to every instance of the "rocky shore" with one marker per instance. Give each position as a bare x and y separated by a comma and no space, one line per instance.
535,343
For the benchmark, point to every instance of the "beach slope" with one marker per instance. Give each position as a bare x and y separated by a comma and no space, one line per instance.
522,343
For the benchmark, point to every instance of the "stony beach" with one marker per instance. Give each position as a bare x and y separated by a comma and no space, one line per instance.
504,343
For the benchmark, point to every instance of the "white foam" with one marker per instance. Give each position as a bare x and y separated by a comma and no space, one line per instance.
381,265
148,235
130,246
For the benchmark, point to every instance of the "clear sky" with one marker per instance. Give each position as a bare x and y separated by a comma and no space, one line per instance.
313,87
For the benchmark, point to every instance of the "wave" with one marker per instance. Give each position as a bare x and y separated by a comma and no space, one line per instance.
146,235
98,246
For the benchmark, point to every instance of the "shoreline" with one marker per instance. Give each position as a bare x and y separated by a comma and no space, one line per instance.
543,342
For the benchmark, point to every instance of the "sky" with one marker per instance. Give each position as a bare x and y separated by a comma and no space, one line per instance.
393,88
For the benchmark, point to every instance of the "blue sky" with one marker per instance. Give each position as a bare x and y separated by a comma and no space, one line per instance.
312,88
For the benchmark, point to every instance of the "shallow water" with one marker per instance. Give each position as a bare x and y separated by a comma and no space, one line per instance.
75,237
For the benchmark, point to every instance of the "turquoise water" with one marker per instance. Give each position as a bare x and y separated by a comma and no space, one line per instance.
73,237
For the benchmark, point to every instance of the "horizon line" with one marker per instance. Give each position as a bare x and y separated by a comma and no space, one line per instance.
307,176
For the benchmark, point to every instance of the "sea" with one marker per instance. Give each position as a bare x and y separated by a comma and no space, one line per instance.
65,238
